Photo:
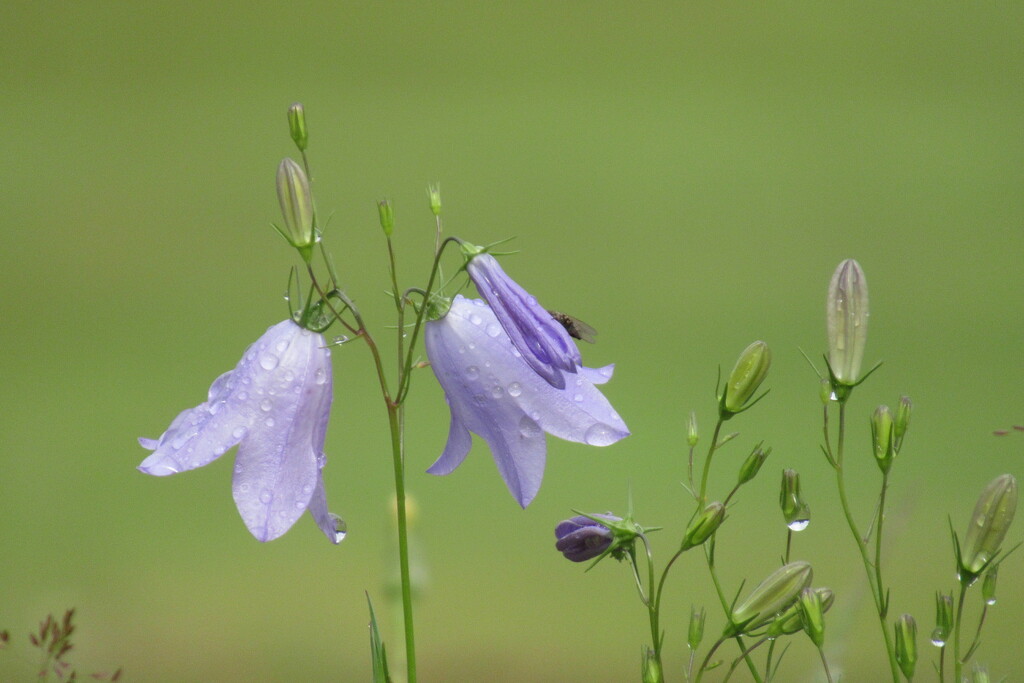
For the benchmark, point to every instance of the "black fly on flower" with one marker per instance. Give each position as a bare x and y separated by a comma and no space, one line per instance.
576,328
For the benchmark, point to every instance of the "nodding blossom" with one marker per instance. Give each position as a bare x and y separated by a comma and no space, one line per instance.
581,538
274,405
493,392
545,345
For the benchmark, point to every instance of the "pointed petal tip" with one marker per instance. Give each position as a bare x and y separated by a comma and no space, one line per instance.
157,470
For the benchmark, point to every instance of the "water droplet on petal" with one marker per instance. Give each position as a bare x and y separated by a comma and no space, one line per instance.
320,376
578,398
606,371
299,505
266,404
798,524
266,497
243,396
493,330
515,389
340,528
219,450
475,319
239,432
269,422
528,428
269,361
497,392
599,434
472,372
289,376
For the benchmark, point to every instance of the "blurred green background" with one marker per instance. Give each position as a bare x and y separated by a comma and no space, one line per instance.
683,176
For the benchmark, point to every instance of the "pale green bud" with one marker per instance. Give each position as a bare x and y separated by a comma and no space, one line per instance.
651,668
752,465
943,619
691,429
434,192
813,614
297,126
791,619
704,525
745,378
979,674
906,644
296,201
387,216
772,596
796,512
882,437
847,314
988,586
695,634
901,422
992,517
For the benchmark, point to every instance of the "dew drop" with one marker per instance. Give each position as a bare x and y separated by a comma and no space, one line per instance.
599,434
266,404
578,398
990,601
472,372
289,376
606,371
497,392
243,396
308,488
244,488
515,389
219,450
239,432
340,528
493,330
299,505
266,497
939,642
269,422
528,428
475,319
320,376
798,524
269,361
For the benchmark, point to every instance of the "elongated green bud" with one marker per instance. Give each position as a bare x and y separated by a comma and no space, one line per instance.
901,422
906,644
692,435
988,586
772,596
752,465
297,126
651,668
943,619
791,619
992,517
434,192
296,201
979,674
794,509
387,216
847,314
813,614
882,437
695,634
745,378
704,525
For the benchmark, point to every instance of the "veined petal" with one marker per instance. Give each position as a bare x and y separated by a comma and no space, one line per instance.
493,392
543,341
279,461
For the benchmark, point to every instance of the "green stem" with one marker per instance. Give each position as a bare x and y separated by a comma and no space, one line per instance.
709,555
395,420
957,664
824,663
653,603
702,500
862,545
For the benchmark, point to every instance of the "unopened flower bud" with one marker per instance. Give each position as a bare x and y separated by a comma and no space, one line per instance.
651,668
434,192
943,619
581,538
992,516
979,674
387,216
901,422
825,391
695,634
847,313
772,596
296,204
704,525
813,614
796,512
297,126
752,465
745,378
791,619
906,644
988,586
691,429
882,437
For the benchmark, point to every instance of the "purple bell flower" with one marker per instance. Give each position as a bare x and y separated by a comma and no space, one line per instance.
542,340
581,538
491,391
275,405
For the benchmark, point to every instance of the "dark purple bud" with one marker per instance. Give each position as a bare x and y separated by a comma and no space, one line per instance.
581,538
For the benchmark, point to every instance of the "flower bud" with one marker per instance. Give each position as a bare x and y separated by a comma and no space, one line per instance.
752,465
943,619
434,192
796,512
297,126
979,674
791,619
704,525
581,538
651,668
773,595
988,586
813,615
901,422
296,204
691,429
695,634
906,644
882,437
847,314
991,520
825,391
745,378
387,216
